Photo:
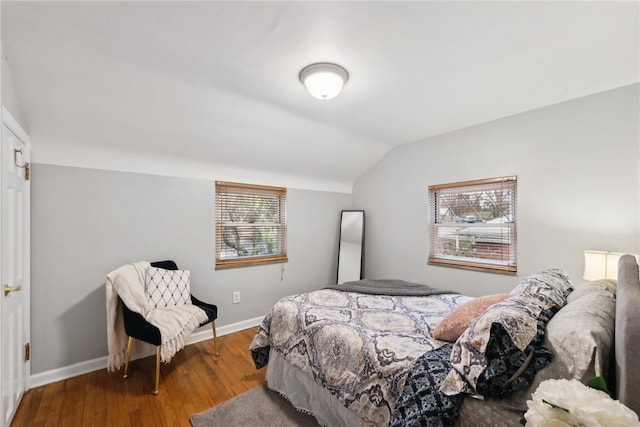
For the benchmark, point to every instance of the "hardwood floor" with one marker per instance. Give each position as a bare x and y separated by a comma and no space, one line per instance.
195,380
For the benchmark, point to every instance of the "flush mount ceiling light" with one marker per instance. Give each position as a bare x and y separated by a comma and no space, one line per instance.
324,80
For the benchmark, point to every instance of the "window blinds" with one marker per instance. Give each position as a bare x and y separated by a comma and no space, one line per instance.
473,224
251,224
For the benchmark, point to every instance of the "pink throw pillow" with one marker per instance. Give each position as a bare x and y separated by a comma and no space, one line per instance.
458,320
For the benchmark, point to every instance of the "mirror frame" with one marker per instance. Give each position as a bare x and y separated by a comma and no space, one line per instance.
361,242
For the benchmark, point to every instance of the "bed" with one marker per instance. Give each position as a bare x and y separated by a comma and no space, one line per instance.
364,353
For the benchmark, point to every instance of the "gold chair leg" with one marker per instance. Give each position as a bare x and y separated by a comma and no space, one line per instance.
157,369
126,363
215,338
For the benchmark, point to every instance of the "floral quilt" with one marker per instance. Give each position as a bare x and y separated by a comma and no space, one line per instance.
359,347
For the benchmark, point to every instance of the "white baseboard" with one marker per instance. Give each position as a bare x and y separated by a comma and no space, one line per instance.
59,374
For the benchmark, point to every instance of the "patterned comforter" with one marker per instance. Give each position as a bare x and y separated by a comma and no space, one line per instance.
359,347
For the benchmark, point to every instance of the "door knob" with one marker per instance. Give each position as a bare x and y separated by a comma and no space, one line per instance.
8,289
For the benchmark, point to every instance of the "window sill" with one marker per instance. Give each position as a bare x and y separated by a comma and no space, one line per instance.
489,268
232,263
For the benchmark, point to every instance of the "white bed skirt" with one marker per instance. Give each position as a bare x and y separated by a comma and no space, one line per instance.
306,395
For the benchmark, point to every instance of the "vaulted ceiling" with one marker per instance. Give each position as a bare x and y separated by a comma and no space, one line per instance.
213,86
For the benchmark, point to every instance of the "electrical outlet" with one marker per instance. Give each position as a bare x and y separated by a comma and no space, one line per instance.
236,297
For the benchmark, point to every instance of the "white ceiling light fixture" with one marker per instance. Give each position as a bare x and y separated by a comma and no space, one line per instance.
324,80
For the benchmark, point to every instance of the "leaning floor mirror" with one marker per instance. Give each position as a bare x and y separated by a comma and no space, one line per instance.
351,246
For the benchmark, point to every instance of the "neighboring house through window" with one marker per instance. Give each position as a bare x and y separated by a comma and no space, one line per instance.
251,224
472,224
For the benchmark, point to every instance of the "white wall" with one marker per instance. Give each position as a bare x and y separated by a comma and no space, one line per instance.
578,188
87,222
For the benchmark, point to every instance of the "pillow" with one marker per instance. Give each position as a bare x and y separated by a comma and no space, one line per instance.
458,320
508,367
591,287
549,286
505,334
581,338
167,287
581,335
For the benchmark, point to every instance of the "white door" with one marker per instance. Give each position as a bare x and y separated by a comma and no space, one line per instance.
15,267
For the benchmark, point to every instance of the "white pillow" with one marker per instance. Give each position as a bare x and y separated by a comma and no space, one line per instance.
167,287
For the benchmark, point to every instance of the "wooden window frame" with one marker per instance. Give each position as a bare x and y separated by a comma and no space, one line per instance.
232,192
500,257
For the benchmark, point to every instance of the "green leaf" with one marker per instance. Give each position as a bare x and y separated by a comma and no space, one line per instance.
599,384
523,421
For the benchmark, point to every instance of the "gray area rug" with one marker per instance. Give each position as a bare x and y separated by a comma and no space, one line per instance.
256,407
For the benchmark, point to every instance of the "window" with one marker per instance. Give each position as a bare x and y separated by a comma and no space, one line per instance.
473,224
251,224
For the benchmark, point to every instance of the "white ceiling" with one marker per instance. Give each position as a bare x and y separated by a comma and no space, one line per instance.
213,86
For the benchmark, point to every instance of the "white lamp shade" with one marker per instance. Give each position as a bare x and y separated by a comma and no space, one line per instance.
324,81
601,265
612,265
595,265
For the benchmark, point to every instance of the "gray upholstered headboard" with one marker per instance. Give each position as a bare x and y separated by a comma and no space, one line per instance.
627,339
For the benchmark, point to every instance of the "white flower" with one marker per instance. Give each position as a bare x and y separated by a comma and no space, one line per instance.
569,403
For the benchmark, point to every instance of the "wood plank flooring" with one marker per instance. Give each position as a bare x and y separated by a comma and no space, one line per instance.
195,380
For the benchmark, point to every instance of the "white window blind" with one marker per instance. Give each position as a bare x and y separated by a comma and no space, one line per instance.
251,224
473,224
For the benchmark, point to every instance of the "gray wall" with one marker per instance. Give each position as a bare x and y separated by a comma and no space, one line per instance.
578,177
87,222
9,100
578,188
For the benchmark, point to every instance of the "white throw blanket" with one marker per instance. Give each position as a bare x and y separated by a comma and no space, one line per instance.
176,323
